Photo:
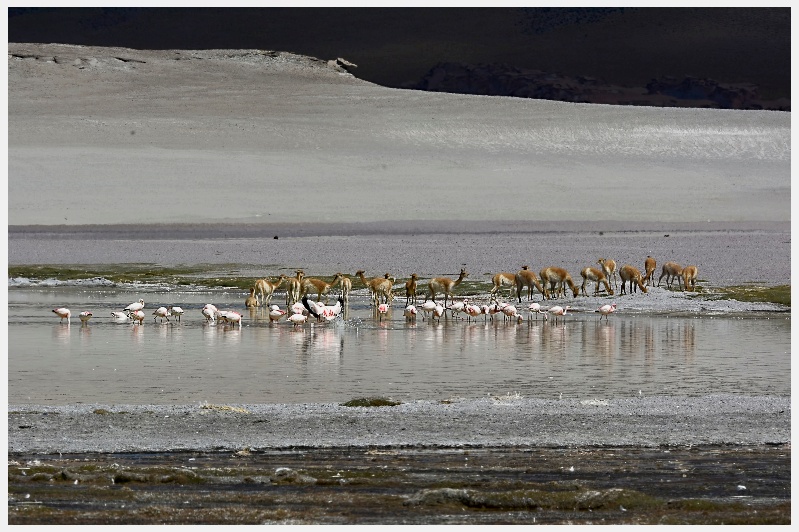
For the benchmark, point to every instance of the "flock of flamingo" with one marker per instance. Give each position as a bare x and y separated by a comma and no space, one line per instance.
551,283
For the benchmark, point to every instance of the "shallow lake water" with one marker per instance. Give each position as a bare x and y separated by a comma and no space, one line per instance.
363,355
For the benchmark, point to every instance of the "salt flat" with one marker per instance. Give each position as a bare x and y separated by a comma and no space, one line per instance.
120,136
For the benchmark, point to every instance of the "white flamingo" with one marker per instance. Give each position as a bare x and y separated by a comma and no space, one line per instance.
209,311
175,311
410,312
510,311
427,308
535,308
85,316
438,311
133,307
298,308
298,319
62,313
275,313
137,315
606,309
331,312
120,316
559,311
458,307
161,312
316,309
472,311
229,316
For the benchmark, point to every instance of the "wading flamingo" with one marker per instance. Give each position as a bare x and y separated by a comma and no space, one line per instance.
133,307
604,310
62,313
85,316
161,312
137,315
275,313
176,312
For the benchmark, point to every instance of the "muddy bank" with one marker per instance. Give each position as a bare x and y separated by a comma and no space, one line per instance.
514,485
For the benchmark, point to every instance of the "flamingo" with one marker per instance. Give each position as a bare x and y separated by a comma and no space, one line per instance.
62,313
438,311
161,312
209,311
382,310
275,313
298,319
559,311
315,308
137,315
85,316
494,308
510,311
120,316
133,307
410,312
176,311
331,312
298,308
229,316
472,311
428,307
458,307
535,308
606,309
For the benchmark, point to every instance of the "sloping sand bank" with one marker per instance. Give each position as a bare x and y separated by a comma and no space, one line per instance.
108,135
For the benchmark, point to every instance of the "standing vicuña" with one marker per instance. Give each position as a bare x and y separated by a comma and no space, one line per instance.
378,286
503,279
294,289
631,273
689,274
557,278
446,285
671,271
609,267
410,289
649,267
346,286
527,277
265,288
598,276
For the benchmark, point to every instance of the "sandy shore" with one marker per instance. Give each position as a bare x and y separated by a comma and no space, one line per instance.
491,422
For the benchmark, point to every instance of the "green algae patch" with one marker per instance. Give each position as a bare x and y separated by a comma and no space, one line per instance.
371,402
780,295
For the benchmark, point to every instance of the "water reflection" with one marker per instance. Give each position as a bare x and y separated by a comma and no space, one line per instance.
277,362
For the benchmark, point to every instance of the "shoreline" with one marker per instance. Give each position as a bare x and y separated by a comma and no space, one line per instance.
248,229
482,423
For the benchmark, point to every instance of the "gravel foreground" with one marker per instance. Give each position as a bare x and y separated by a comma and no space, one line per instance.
490,422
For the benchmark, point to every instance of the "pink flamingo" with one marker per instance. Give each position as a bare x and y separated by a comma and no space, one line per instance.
606,309
137,315
62,313
275,313
559,311
410,312
298,318
161,312
85,316
382,310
